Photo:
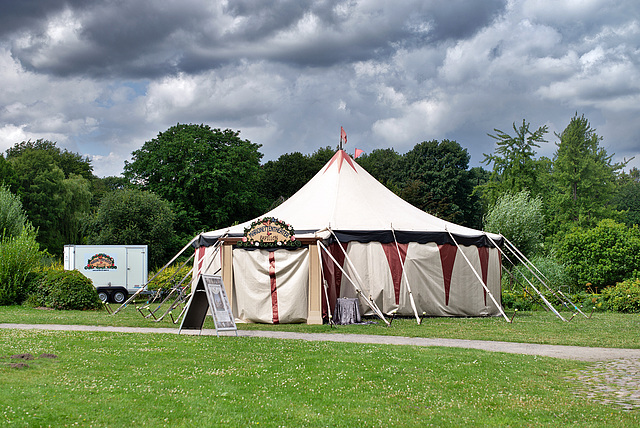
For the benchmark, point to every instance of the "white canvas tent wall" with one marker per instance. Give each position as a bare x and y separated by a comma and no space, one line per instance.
367,219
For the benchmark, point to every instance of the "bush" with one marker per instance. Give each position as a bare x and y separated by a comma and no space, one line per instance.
604,255
623,297
519,218
19,259
60,289
513,299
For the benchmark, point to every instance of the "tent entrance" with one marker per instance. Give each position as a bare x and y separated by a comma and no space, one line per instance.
268,285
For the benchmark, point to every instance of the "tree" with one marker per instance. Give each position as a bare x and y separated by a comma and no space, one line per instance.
70,163
383,164
54,186
627,198
286,175
519,217
434,178
7,175
514,165
134,217
584,177
210,176
52,202
12,216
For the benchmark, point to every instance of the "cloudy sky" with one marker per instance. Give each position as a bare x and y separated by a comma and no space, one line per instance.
102,77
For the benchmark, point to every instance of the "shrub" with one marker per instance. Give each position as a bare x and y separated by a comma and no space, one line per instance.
519,218
60,289
19,259
603,255
623,297
516,299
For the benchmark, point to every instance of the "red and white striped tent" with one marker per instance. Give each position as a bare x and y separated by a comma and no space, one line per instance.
402,259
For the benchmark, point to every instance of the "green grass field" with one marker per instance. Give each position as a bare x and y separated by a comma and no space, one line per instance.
121,379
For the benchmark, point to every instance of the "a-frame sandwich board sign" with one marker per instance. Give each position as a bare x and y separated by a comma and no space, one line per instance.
208,293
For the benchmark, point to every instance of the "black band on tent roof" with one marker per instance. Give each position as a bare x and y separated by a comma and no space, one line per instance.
405,237
383,236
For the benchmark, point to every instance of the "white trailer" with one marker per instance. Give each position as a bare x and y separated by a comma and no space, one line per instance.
115,270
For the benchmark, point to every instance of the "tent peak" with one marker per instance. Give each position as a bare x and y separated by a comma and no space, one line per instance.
340,157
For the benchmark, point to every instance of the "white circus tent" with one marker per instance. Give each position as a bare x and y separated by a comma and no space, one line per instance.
359,240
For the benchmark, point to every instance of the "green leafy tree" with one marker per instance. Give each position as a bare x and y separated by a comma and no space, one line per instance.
7,175
134,217
70,163
210,176
286,175
514,165
12,216
519,217
54,204
627,198
584,177
384,164
434,178
54,186
602,255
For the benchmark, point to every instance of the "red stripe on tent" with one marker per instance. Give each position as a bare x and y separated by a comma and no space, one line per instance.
333,276
483,252
274,289
200,258
340,156
395,264
447,258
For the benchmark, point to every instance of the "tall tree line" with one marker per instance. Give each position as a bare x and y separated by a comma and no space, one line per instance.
202,178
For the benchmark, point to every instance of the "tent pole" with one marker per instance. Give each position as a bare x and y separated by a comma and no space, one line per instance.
180,294
326,289
537,270
546,302
370,302
355,271
175,287
130,299
478,276
406,279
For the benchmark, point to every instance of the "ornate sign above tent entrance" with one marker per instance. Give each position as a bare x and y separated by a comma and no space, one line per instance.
269,232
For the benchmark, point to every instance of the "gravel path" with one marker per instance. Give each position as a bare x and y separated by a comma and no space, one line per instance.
613,379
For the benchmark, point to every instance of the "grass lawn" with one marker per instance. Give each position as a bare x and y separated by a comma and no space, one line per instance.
604,329
118,379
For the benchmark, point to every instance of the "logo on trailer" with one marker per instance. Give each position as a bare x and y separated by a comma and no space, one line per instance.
269,232
101,261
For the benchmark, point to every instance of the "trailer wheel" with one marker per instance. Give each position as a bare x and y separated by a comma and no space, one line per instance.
119,296
103,295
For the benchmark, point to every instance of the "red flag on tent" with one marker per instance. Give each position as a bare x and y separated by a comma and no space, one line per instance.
358,153
343,136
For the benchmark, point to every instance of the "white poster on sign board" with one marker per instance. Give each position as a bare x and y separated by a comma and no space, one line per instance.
216,294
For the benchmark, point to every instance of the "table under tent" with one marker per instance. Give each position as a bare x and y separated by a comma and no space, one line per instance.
354,238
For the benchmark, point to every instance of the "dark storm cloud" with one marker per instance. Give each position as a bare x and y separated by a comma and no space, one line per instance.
101,77
148,39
